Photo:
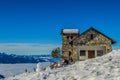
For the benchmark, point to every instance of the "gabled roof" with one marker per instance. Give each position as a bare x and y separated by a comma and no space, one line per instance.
98,32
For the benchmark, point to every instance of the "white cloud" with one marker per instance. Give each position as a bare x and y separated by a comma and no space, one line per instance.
27,48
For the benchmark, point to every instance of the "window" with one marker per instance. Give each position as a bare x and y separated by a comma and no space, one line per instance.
99,52
71,43
91,36
82,53
71,37
67,37
69,53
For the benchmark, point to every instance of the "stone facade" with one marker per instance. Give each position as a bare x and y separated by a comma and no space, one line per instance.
89,40
67,48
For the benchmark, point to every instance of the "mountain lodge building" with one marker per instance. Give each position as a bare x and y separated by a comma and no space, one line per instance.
89,44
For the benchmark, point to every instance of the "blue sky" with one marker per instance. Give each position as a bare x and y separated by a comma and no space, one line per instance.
39,22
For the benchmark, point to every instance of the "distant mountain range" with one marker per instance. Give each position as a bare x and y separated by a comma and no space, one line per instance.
12,58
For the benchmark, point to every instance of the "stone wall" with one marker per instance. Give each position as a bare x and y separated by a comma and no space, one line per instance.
66,46
85,40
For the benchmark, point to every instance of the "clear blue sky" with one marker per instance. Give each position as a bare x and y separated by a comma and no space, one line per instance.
33,22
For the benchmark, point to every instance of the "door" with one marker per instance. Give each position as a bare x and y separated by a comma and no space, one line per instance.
91,54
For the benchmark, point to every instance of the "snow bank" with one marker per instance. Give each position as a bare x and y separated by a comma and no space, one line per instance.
106,67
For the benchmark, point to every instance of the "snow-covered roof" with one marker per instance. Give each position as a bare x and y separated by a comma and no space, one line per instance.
70,31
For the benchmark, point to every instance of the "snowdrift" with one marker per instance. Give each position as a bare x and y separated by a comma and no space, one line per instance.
106,67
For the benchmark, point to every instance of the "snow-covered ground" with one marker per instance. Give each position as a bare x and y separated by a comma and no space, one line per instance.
106,67
8,70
